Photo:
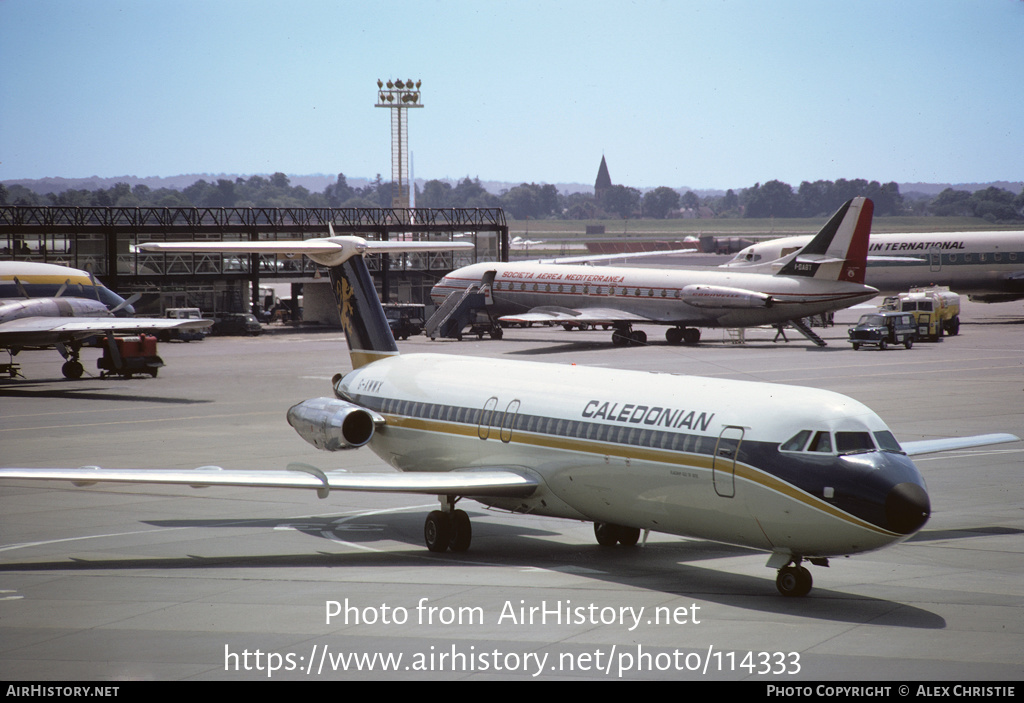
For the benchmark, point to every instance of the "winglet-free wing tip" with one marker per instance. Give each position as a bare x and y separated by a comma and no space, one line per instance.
948,444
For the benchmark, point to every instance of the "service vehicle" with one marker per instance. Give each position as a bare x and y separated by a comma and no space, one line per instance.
184,335
405,319
237,323
936,310
127,356
883,328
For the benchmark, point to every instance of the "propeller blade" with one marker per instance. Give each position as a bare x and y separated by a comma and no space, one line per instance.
21,288
95,285
131,301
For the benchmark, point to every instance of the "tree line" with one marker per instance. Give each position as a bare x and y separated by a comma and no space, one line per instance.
543,201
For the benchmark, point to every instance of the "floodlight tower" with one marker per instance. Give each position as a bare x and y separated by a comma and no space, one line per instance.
398,96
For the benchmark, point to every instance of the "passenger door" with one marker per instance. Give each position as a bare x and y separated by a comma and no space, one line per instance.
723,464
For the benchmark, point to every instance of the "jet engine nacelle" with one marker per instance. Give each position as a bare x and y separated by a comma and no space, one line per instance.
701,296
331,424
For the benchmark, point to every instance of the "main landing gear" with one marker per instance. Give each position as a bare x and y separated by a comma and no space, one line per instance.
626,336
448,529
682,335
608,534
72,368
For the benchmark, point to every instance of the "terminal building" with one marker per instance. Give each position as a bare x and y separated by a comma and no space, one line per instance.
102,239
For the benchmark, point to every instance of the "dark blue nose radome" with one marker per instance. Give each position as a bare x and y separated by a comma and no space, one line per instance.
907,508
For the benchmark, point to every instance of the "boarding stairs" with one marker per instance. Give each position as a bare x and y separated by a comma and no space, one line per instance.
802,327
456,312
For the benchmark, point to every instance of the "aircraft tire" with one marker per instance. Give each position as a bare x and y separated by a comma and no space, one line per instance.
72,369
606,533
437,531
691,335
638,338
674,335
794,581
462,531
629,536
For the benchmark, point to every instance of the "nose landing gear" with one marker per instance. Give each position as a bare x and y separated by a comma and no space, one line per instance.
793,580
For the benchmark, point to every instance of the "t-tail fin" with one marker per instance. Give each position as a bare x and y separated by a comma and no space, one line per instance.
362,317
839,251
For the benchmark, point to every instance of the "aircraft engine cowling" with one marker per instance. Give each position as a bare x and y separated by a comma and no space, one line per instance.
701,296
331,424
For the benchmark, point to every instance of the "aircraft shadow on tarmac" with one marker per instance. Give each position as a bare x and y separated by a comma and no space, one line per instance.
563,347
43,389
963,533
669,568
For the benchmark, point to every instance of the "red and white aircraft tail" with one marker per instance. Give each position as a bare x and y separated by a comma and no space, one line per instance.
839,251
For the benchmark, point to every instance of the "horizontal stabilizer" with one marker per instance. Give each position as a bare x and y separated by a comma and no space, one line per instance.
326,245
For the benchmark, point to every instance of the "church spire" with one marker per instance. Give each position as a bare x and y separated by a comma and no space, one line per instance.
603,182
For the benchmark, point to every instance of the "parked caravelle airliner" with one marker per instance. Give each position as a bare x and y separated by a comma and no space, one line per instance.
801,473
825,275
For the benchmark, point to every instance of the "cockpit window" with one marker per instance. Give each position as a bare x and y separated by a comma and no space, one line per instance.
845,442
822,442
887,443
796,442
853,442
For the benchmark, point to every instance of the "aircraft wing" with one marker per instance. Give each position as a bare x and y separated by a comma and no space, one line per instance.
930,446
52,330
590,258
590,316
498,481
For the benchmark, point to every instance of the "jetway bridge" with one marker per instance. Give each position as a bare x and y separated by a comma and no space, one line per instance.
101,239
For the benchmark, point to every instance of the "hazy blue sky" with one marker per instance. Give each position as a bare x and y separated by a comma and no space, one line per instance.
711,94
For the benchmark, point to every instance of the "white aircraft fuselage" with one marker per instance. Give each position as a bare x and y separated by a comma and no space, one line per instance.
988,266
684,455
41,280
665,296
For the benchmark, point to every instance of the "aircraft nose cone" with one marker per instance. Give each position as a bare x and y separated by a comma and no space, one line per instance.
907,508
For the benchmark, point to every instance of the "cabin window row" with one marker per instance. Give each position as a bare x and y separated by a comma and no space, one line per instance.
557,427
587,290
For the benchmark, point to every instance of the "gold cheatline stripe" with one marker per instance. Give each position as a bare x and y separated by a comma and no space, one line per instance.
37,279
362,357
661,456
